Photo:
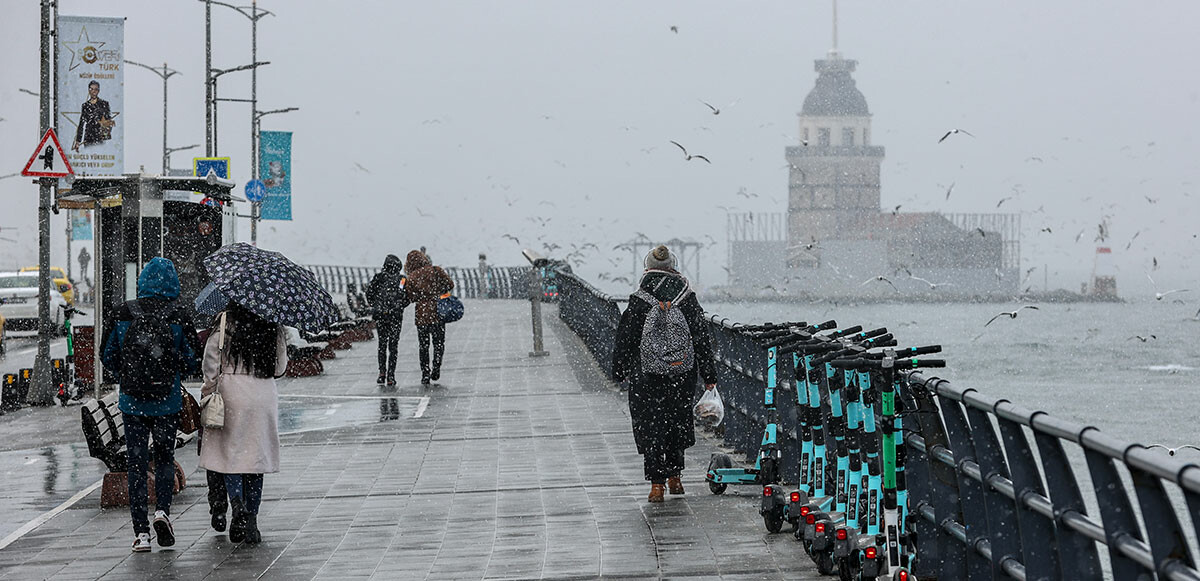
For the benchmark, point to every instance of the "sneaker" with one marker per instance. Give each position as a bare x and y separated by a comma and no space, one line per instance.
163,530
436,375
424,379
218,522
141,543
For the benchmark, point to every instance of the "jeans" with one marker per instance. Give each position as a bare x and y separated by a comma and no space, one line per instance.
389,341
436,333
662,464
138,432
247,488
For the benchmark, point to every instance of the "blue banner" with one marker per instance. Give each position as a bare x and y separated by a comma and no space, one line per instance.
275,170
81,225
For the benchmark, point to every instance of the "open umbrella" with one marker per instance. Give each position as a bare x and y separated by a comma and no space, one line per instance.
271,286
211,300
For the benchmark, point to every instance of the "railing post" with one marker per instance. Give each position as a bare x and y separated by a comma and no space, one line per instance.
535,300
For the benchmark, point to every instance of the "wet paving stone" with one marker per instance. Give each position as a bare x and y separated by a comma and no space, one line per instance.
516,468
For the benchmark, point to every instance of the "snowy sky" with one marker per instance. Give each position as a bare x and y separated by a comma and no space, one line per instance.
549,119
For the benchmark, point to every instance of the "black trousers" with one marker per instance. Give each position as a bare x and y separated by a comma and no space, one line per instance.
662,464
147,437
389,343
437,334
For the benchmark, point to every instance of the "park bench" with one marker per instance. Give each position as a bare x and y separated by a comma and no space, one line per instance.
104,432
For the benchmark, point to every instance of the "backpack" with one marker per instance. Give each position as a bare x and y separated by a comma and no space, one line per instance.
387,295
149,357
666,346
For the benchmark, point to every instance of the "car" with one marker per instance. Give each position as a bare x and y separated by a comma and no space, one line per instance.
59,277
19,302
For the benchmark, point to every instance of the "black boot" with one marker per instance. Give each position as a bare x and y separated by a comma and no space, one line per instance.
252,534
218,522
381,379
424,377
237,527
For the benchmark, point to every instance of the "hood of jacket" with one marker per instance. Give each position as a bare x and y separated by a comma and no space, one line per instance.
417,259
158,279
665,285
392,265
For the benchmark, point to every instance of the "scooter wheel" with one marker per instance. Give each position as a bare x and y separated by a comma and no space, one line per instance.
825,564
773,520
719,460
849,568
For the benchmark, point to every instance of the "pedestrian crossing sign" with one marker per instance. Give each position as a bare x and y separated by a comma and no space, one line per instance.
49,158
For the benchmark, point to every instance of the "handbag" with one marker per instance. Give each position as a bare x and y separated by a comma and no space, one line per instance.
212,406
189,415
449,308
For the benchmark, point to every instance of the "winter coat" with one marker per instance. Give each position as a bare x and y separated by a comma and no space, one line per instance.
661,406
158,287
249,441
426,283
386,293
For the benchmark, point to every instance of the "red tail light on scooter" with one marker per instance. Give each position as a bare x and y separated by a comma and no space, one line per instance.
870,552
810,519
795,497
767,491
820,528
841,534
804,510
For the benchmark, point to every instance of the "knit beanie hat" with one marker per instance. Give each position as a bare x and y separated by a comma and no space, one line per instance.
660,258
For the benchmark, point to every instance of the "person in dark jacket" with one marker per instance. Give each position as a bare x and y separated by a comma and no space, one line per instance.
388,298
95,119
426,283
660,405
158,287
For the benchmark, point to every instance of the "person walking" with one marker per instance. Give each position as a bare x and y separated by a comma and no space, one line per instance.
152,344
387,297
242,358
427,283
662,343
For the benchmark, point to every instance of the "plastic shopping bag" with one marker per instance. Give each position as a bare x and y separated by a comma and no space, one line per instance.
710,410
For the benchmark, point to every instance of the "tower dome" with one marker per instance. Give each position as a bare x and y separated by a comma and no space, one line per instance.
835,94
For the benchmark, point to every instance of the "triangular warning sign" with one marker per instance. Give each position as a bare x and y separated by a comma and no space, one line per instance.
48,159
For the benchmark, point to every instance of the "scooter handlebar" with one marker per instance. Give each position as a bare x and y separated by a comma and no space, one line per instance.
869,334
770,326
862,363
798,337
827,325
907,352
843,332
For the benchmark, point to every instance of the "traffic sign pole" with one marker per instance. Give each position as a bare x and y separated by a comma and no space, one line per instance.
256,191
41,392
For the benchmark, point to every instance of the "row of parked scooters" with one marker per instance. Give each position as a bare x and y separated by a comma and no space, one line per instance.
849,507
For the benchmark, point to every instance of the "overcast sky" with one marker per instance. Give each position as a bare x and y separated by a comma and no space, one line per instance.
494,116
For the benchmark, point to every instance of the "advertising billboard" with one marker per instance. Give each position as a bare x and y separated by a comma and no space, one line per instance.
275,170
91,93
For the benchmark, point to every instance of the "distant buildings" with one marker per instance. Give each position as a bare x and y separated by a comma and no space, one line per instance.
836,236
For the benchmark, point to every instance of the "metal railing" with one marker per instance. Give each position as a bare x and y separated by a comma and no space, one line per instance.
497,282
986,501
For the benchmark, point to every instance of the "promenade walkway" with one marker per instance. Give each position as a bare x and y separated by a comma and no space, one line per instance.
510,468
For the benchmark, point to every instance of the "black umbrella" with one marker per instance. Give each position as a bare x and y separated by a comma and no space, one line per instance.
271,286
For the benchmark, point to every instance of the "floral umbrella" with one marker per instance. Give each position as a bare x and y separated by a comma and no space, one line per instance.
271,286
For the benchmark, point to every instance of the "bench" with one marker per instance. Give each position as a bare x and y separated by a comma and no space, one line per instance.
104,432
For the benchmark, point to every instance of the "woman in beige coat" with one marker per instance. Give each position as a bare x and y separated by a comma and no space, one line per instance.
243,356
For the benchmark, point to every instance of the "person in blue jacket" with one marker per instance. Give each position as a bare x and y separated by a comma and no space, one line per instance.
158,289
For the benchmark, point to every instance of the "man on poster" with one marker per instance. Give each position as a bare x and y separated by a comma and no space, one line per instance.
95,119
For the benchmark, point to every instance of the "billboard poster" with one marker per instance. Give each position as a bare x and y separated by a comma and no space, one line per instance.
91,93
81,224
275,170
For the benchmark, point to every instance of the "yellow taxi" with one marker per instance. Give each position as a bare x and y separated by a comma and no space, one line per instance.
3,346
59,277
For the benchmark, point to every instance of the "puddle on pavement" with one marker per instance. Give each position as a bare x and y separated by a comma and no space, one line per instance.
36,480
305,413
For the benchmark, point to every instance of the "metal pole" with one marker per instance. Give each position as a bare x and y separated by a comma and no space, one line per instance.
41,392
213,145
535,311
97,300
164,76
208,81
254,116
54,122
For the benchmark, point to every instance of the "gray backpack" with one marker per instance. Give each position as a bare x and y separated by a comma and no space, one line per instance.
666,346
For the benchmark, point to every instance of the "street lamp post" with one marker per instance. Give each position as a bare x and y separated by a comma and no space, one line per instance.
213,75
256,208
254,13
165,73
171,150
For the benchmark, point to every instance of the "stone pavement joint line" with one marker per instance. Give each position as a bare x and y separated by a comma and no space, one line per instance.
519,468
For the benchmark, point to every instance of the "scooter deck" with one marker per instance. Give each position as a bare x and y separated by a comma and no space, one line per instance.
732,476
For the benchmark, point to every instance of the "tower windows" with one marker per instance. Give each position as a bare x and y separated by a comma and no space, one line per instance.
823,136
847,137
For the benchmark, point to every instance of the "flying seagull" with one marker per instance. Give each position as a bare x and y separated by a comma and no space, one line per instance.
1010,314
715,111
877,278
511,237
932,285
1141,338
1002,200
949,189
1172,451
953,131
687,156
1159,296
675,29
